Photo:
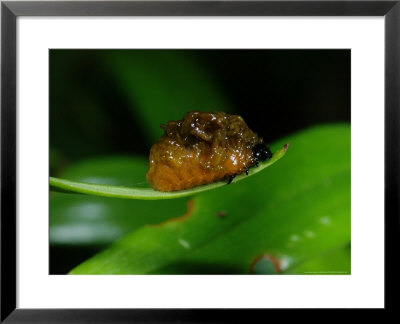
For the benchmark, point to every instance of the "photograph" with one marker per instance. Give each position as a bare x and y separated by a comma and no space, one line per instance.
199,161
189,161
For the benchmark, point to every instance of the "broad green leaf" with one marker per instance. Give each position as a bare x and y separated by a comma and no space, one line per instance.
331,262
88,220
78,220
148,193
295,212
163,85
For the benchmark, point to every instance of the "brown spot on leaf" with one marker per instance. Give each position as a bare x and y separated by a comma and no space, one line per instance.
189,210
222,214
286,146
267,257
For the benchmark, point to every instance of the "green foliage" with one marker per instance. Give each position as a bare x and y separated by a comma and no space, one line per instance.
331,262
78,220
165,82
296,212
146,193
295,215
105,102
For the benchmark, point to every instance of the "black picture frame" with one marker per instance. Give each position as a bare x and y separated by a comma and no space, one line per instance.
10,10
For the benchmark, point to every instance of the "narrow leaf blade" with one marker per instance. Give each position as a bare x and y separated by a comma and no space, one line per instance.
64,185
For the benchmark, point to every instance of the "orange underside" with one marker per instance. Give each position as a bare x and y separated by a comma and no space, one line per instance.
163,176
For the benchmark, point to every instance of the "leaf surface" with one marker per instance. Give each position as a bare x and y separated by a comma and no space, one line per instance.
147,193
295,212
84,220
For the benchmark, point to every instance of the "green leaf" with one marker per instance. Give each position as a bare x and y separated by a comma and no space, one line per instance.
331,262
163,85
80,220
88,220
149,193
110,170
292,214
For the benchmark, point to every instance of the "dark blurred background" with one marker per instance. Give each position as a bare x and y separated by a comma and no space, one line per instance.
111,102
97,96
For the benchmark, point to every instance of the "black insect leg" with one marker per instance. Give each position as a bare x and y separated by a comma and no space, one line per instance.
231,178
247,170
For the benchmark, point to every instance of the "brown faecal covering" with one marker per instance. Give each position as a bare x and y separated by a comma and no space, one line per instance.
202,148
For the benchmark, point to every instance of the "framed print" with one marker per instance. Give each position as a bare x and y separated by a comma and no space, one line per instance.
175,160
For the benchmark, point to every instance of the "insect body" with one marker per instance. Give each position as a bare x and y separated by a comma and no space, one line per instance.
260,153
202,148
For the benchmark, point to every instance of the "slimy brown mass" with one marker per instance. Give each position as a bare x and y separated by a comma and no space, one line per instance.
201,148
